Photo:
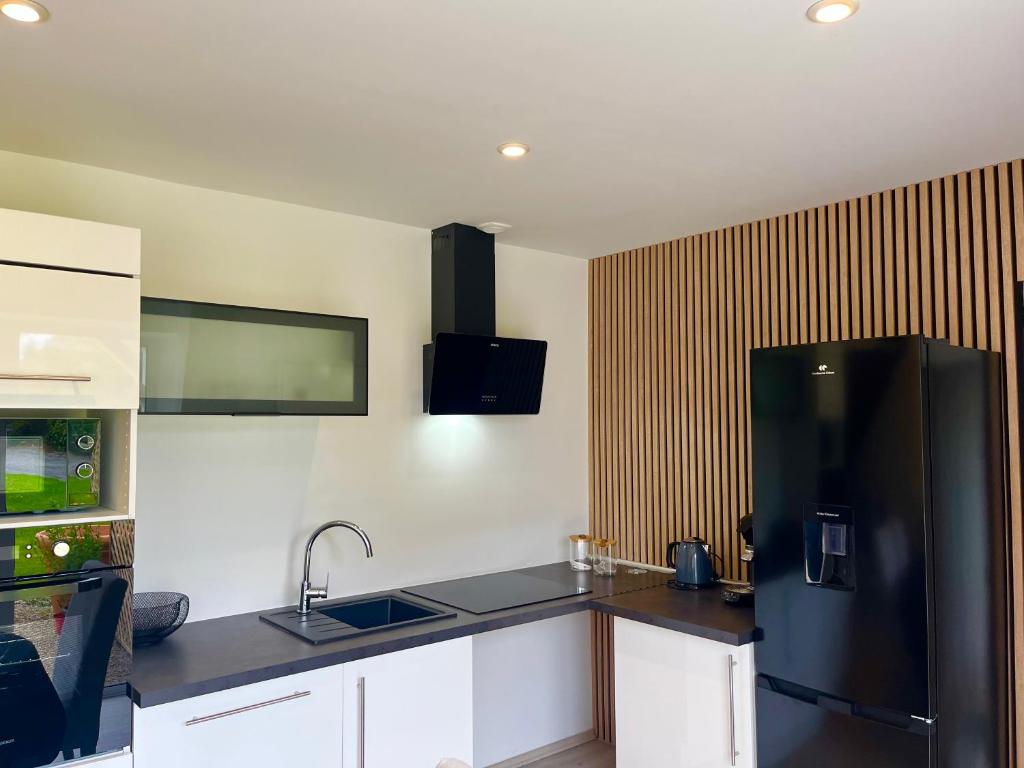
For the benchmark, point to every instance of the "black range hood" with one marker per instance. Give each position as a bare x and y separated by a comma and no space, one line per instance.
467,369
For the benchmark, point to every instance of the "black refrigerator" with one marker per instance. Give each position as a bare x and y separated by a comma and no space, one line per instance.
880,545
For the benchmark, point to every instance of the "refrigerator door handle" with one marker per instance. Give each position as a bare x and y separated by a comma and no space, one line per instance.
906,722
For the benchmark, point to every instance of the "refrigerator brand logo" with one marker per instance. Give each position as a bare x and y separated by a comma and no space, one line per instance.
823,370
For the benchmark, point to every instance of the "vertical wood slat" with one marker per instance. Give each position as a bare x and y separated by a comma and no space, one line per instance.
814,287
914,278
832,227
823,272
889,283
927,272
902,269
939,295
866,288
856,270
671,327
952,275
691,385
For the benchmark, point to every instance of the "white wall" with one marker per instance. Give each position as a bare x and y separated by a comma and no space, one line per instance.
531,687
225,504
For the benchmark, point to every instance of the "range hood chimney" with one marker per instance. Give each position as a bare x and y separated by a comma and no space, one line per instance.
467,369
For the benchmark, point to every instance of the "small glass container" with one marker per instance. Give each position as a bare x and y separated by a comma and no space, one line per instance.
579,552
605,555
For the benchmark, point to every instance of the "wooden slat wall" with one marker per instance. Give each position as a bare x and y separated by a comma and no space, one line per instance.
671,325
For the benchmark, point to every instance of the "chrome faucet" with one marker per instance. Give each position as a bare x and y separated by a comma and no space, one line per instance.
307,592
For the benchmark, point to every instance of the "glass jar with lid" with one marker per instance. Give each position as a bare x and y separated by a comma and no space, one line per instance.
605,555
579,552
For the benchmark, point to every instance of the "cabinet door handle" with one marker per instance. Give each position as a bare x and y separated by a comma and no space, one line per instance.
361,744
41,377
732,713
249,708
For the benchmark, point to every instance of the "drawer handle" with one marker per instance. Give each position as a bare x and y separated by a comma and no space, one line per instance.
361,686
250,708
732,714
41,377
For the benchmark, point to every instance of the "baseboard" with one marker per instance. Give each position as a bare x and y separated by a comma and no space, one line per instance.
547,751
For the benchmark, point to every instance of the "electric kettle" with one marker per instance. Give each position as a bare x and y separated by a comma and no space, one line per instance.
692,560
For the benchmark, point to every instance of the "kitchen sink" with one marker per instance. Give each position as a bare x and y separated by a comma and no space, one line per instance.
354,618
379,612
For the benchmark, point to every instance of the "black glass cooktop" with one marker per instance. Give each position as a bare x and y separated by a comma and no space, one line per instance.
495,592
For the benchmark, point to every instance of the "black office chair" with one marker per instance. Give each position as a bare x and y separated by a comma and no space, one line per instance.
83,654
32,719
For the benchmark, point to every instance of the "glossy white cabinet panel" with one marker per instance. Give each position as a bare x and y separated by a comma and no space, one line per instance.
68,339
681,701
410,708
120,760
55,241
290,721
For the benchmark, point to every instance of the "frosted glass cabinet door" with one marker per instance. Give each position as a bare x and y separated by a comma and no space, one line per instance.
215,358
68,339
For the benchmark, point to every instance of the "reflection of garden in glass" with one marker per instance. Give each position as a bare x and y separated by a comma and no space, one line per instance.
29,493
85,546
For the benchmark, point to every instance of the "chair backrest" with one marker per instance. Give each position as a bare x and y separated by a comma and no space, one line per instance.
32,726
79,675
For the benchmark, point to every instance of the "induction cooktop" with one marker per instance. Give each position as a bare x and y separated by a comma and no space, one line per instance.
495,592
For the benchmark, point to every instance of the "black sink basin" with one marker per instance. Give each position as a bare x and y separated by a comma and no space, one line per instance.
378,612
352,618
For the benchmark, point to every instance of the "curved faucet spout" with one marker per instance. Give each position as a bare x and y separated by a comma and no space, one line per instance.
307,592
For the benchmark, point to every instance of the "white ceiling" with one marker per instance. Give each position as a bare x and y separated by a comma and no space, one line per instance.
648,120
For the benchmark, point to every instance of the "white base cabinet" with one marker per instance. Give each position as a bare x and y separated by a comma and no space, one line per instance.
681,701
291,721
410,709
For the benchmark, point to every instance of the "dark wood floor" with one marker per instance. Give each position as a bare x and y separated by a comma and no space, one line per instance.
593,754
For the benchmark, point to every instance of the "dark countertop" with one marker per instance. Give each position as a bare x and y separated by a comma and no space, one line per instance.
699,612
217,654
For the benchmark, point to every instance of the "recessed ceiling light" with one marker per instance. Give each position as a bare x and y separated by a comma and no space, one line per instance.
513,149
25,11
494,227
831,11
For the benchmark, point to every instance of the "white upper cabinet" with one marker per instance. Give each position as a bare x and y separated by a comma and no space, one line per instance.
681,701
68,339
54,241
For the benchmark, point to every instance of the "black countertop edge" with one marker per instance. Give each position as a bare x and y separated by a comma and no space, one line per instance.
669,609
375,645
217,654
